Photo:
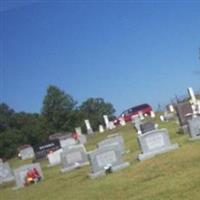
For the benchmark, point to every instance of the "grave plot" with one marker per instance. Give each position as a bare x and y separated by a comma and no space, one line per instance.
26,153
73,157
54,158
105,160
27,175
154,142
6,174
194,128
115,139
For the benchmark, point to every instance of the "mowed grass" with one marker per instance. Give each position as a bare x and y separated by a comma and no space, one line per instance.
173,175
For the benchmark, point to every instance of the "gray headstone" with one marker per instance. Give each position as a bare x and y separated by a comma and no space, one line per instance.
6,174
147,126
82,139
154,142
21,174
27,153
67,142
73,157
106,158
54,158
118,140
194,128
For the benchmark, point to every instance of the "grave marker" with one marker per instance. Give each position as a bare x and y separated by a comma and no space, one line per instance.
6,174
54,158
26,153
194,128
22,175
73,157
88,126
105,159
154,142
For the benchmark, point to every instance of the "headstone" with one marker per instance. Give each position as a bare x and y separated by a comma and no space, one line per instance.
152,114
141,116
122,121
6,174
194,128
192,95
136,123
184,112
111,125
115,140
54,158
104,160
106,120
162,119
27,153
73,157
88,126
101,129
22,176
171,108
147,126
45,148
154,142
67,142
82,139
169,116
78,131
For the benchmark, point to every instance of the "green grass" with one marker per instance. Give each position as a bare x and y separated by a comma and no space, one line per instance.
170,176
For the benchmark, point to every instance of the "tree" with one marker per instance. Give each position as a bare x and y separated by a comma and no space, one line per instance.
57,110
94,109
6,117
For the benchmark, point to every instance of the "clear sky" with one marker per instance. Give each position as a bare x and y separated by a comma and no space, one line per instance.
127,52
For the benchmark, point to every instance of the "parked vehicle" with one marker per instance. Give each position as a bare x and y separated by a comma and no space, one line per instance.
129,113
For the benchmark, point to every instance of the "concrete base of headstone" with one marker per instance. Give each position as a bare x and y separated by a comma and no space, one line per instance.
155,142
114,169
194,138
154,153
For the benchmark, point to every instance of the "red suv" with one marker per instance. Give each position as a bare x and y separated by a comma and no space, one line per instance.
127,114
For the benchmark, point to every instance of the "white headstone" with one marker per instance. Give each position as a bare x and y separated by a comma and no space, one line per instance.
171,108
88,126
122,121
192,95
54,158
152,114
101,129
78,131
162,118
106,120
141,115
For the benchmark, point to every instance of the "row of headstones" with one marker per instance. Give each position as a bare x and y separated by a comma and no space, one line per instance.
188,114
29,153
110,124
106,158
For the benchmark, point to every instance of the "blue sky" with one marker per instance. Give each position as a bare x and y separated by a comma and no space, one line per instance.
127,52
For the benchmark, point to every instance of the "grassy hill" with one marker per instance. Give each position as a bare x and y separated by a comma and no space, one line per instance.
173,175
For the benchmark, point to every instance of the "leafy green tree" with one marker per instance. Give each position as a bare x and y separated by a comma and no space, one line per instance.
57,110
94,109
6,117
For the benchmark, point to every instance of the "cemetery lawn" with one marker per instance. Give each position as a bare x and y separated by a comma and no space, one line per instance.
170,176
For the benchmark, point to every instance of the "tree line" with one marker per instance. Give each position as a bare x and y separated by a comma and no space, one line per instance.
59,113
